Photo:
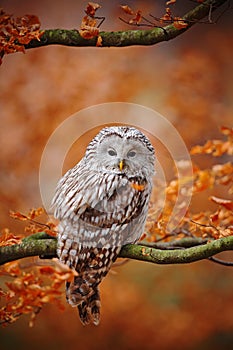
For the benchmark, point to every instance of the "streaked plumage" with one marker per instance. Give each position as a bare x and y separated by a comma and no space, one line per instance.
102,204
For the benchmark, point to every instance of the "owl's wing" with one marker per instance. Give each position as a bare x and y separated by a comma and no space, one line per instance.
75,190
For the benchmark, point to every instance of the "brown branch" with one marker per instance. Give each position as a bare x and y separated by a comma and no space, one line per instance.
43,245
130,37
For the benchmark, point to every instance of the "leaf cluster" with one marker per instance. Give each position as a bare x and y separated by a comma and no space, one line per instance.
17,32
30,287
209,224
137,18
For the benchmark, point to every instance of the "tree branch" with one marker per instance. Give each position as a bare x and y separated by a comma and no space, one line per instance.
127,38
177,256
43,245
38,244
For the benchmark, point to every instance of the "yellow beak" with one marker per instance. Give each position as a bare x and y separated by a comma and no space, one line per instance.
121,165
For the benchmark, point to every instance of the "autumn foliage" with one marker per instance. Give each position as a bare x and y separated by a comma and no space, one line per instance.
89,27
28,292
137,18
17,32
189,82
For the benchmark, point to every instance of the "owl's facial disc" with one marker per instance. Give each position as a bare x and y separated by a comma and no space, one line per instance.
119,161
120,155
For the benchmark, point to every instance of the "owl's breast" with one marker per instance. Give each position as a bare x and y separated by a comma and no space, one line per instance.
119,206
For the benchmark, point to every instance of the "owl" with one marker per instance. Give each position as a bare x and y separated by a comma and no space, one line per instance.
102,204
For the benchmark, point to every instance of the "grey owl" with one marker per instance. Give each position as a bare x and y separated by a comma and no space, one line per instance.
102,204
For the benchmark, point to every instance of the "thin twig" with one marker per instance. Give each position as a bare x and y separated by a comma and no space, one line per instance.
228,7
220,261
101,22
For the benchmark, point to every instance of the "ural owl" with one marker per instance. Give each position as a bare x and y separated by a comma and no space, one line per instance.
102,204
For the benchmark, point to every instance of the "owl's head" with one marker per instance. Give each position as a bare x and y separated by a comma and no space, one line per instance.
121,149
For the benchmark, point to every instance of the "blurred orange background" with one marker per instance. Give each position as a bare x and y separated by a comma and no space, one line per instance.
190,82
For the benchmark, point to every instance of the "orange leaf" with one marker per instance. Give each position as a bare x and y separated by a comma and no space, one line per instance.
215,218
89,32
91,9
137,187
12,268
137,19
88,22
170,2
17,215
33,213
47,270
225,232
8,238
227,131
179,23
18,31
215,147
127,9
99,41
167,16
88,28
203,180
226,203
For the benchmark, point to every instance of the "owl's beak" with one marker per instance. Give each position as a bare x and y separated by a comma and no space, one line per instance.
121,165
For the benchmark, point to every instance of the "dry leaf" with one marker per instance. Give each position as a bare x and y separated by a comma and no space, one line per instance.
88,28
167,17
137,19
127,9
179,23
137,187
91,9
17,215
17,32
33,213
227,131
99,41
7,238
226,203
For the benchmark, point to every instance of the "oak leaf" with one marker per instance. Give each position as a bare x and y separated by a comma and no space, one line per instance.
7,238
179,23
17,32
226,203
127,10
227,131
88,29
91,9
99,41
167,17
17,215
32,214
170,2
137,19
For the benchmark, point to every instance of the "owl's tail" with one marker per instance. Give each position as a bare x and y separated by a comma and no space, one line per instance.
87,298
89,310
92,267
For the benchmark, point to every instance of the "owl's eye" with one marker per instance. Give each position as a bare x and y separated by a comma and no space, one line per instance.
131,154
112,153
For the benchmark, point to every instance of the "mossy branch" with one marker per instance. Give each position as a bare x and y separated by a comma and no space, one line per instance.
42,245
129,37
